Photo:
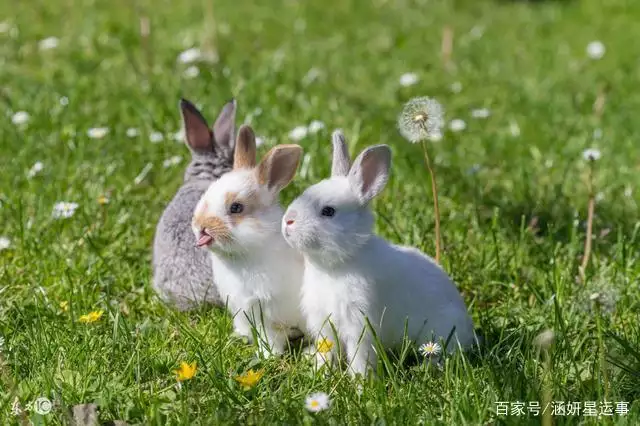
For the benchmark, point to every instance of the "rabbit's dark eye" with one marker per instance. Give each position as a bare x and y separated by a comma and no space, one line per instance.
236,208
328,211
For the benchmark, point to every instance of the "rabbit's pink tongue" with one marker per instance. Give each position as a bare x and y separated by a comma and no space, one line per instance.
204,240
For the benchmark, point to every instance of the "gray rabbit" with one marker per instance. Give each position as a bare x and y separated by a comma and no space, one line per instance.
182,273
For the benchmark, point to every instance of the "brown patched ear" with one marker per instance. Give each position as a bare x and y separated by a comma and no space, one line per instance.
244,156
278,167
197,133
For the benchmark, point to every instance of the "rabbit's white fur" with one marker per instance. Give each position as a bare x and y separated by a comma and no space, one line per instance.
257,273
351,274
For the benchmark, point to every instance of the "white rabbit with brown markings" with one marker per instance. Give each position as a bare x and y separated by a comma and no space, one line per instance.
238,220
352,276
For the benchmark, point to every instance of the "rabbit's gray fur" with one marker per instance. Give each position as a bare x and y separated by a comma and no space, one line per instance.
182,273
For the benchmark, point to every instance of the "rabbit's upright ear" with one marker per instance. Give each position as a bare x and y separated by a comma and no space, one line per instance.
278,167
244,156
197,133
341,162
225,127
370,172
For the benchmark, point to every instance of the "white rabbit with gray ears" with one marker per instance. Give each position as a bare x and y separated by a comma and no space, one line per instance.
351,274
238,220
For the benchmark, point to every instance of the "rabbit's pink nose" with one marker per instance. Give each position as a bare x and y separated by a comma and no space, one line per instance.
290,218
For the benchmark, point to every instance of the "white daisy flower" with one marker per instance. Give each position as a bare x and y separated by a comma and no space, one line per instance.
514,129
591,154
317,402
190,55
480,113
315,126
20,117
179,135
63,210
35,169
156,137
408,79
596,50
298,133
48,43
97,132
430,349
132,132
173,161
5,243
421,118
191,72
457,125
456,87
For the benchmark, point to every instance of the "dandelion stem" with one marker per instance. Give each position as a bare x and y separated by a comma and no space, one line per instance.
434,190
588,238
601,352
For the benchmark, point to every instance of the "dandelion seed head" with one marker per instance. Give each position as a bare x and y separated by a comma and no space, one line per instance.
20,117
408,79
48,43
591,154
5,243
190,55
191,72
421,119
97,132
596,49
480,113
317,402
315,126
298,133
457,125
132,132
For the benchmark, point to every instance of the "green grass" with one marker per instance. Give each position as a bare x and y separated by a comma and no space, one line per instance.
513,208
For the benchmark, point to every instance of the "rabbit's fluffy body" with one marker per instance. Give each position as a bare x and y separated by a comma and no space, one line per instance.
182,274
351,274
257,273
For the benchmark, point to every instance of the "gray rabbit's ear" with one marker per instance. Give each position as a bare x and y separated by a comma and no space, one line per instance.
370,172
341,162
198,136
244,156
225,126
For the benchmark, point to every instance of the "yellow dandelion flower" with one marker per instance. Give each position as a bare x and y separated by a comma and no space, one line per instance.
186,371
103,199
91,317
249,379
324,345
